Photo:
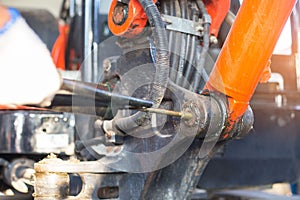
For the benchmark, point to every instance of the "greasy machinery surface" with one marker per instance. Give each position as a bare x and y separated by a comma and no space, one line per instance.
130,153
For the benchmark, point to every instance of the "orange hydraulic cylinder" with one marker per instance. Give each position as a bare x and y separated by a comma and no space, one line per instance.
217,10
247,50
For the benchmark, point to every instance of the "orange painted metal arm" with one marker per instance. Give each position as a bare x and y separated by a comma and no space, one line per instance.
59,47
247,50
127,19
217,10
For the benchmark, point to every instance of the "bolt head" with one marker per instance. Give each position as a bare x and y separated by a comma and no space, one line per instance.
120,14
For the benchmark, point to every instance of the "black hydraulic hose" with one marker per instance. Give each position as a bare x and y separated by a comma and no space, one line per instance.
188,45
205,46
177,43
188,51
168,9
192,53
161,76
182,54
230,17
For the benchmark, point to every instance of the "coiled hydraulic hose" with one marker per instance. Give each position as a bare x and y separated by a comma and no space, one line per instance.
162,53
161,77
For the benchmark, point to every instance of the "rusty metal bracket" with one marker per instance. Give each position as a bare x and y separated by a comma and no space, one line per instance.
183,25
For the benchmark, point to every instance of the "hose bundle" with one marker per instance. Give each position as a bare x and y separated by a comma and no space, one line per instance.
189,52
187,61
162,61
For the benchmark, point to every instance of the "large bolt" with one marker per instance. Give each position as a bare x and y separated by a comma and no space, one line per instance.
120,13
193,110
